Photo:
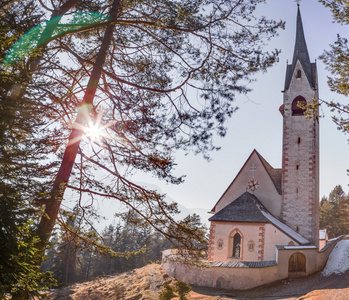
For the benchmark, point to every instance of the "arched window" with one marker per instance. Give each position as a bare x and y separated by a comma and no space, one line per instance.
298,105
299,74
236,253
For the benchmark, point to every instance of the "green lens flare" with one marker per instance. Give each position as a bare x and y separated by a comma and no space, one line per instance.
50,30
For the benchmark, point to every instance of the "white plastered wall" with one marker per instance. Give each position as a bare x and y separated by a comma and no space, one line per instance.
266,193
264,237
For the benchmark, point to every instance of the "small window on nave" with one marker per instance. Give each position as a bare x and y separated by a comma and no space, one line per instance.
298,106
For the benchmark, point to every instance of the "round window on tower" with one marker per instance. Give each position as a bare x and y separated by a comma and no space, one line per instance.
298,106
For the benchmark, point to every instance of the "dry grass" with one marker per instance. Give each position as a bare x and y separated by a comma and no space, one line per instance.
139,284
145,284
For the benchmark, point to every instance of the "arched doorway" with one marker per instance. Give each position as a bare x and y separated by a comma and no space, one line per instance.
297,264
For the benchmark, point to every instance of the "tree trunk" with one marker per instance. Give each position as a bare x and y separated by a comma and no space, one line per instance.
52,206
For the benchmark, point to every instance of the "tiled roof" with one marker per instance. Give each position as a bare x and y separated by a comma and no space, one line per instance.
243,209
301,54
244,264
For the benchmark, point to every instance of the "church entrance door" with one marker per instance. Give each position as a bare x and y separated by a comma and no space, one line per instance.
297,264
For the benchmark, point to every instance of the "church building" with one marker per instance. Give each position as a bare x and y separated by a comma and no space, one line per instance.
266,207
265,226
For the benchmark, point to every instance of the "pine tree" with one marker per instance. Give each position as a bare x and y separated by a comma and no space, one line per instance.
131,77
334,213
336,61
23,170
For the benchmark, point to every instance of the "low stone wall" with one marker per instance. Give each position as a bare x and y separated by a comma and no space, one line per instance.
284,253
227,277
245,275
324,253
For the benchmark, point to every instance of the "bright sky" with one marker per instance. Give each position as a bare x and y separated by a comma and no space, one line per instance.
258,123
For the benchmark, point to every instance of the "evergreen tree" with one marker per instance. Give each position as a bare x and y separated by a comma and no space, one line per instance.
23,170
334,213
138,70
344,214
336,60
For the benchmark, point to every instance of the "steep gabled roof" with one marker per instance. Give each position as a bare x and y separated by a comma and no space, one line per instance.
247,208
274,174
301,53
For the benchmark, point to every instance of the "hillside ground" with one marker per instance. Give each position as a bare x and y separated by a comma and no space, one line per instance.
145,284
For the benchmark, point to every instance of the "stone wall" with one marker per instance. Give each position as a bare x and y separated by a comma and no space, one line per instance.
220,277
240,275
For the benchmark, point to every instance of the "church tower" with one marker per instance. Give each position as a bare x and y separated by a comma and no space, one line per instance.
300,153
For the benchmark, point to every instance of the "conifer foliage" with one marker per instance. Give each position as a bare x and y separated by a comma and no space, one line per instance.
336,60
334,213
72,263
23,171
134,79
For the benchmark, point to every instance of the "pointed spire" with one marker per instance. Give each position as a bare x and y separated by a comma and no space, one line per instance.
300,53
300,48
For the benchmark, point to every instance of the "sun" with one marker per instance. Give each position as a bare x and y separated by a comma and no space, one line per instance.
93,131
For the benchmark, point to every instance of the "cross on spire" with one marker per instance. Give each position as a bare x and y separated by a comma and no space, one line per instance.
298,1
